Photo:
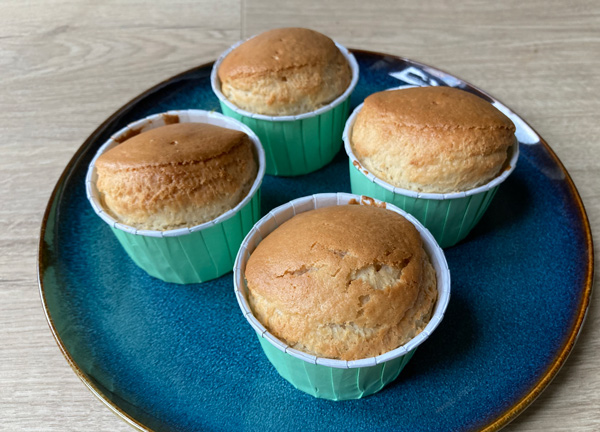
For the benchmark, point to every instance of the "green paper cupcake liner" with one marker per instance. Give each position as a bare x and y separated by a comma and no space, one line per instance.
300,144
329,378
449,217
334,383
186,255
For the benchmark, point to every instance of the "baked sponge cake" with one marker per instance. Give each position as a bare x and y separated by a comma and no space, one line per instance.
174,176
343,282
285,71
432,139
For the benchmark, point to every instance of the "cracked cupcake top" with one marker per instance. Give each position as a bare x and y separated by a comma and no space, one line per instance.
343,282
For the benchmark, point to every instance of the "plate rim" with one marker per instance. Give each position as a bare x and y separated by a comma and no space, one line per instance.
498,423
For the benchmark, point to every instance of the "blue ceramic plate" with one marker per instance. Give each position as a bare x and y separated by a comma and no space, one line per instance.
179,358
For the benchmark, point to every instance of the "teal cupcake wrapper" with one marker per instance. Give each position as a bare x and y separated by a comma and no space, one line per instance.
300,144
330,378
298,147
449,220
334,383
185,255
449,217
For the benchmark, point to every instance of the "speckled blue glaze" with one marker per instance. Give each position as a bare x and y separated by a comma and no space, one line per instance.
183,358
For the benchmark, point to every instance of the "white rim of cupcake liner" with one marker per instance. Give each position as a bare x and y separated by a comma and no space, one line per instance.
426,195
216,86
285,212
157,120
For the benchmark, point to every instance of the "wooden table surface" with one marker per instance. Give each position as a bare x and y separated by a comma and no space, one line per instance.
65,66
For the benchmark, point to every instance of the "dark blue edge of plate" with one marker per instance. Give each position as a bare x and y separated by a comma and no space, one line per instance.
502,420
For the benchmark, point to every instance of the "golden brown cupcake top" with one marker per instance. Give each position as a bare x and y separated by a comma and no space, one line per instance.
180,175
438,107
342,282
432,139
284,72
172,144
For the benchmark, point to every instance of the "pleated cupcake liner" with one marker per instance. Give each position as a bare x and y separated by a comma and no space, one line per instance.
449,217
332,383
330,378
186,255
298,144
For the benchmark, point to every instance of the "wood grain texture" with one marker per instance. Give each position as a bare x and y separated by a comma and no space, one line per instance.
65,66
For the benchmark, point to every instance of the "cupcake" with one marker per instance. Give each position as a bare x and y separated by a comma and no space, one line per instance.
284,72
175,176
337,290
437,152
291,86
342,282
179,191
